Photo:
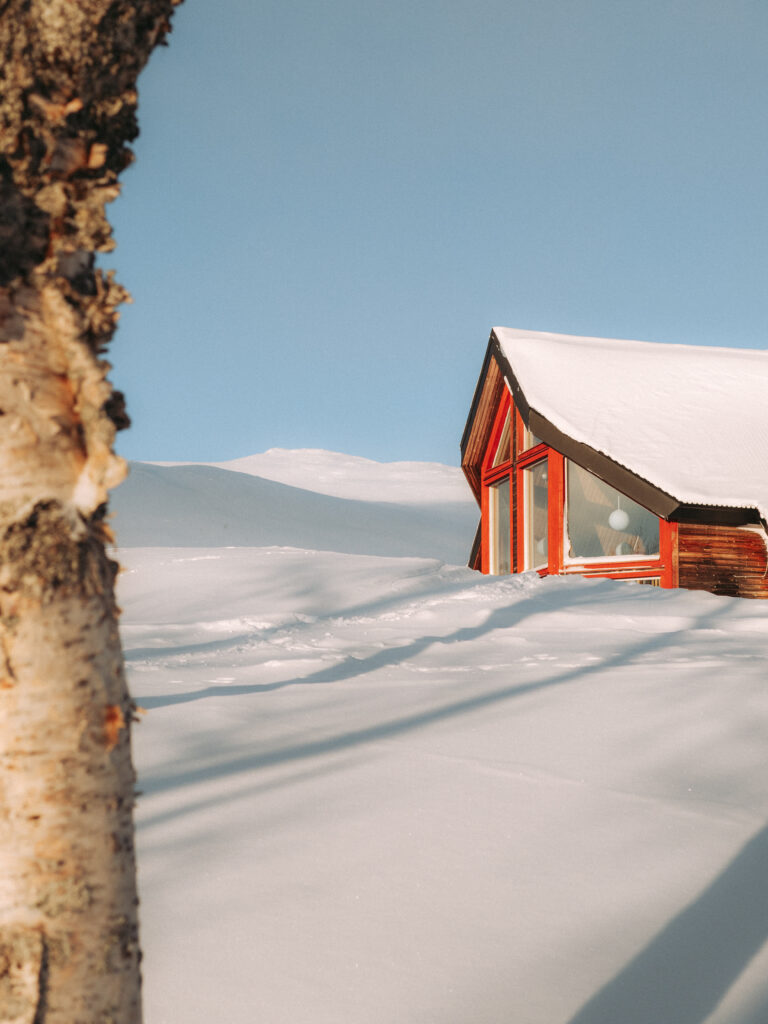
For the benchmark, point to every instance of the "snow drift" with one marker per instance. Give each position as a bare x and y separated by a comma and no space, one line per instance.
389,789
205,506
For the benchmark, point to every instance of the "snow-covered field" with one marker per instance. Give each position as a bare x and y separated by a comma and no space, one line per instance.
382,789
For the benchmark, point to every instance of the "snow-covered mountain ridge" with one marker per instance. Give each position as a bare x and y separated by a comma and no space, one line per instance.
351,476
299,499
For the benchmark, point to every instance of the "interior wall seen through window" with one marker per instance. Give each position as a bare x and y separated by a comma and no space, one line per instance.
601,522
501,561
536,514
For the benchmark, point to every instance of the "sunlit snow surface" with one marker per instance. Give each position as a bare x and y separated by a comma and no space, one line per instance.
387,789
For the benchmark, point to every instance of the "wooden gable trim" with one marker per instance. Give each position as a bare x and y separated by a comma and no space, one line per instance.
476,400
476,554
482,414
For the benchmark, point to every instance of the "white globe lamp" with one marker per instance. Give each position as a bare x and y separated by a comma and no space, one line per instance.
618,520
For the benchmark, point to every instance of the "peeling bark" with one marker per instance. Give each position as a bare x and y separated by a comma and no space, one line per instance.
69,950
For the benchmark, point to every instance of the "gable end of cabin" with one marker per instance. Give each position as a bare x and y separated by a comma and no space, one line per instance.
557,506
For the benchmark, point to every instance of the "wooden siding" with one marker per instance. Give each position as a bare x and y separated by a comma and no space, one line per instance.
476,554
488,394
723,559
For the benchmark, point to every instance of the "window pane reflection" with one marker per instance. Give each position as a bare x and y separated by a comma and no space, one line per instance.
500,527
601,522
536,515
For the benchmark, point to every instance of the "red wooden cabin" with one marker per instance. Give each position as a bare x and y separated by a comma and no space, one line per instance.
621,459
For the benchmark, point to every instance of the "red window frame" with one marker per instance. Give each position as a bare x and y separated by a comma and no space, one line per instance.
492,475
663,568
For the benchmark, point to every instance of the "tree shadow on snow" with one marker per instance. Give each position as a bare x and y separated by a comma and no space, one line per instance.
502,618
353,666
257,636
685,971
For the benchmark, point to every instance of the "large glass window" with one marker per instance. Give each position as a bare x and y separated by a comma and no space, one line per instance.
500,527
603,523
536,519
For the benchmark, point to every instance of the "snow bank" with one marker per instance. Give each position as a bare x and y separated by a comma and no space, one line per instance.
389,789
350,476
199,505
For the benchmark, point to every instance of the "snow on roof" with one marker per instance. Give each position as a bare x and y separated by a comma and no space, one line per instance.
692,420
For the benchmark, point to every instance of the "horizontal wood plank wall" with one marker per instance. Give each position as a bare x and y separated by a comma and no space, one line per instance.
723,559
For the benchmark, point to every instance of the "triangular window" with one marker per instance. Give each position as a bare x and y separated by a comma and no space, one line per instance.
504,447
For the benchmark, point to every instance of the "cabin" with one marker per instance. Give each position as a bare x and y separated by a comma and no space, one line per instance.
621,459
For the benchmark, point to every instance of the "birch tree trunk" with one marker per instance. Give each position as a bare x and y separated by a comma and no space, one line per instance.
69,950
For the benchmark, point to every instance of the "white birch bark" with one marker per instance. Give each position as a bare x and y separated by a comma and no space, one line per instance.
69,950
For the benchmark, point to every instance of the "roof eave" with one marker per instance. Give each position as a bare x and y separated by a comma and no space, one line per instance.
717,515
636,487
613,473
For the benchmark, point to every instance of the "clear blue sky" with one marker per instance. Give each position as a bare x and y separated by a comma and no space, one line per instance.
334,202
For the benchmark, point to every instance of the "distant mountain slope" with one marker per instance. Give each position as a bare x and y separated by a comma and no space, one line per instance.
351,476
206,506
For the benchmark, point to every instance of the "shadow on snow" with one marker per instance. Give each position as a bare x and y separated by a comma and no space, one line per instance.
502,618
684,972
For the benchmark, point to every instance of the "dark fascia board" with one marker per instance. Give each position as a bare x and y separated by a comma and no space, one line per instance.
635,487
613,473
717,515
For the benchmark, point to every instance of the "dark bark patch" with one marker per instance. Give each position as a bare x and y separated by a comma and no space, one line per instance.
122,944
50,552
115,409
24,230
77,268
42,985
